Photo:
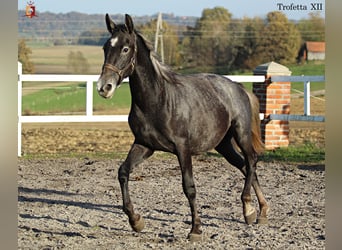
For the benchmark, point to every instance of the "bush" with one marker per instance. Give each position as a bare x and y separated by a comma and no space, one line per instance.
77,63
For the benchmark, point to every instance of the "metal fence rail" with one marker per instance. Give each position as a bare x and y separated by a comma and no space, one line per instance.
307,107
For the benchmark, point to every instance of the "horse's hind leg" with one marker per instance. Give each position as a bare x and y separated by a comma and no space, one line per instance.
233,157
135,156
227,149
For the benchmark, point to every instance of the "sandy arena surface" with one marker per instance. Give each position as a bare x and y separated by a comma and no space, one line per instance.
70,203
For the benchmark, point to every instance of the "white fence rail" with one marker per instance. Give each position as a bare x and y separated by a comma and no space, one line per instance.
89,116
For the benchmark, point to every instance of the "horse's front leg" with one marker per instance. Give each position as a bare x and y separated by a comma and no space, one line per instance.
135,156
184,158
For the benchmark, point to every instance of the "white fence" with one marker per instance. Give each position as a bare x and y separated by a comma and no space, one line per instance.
90,117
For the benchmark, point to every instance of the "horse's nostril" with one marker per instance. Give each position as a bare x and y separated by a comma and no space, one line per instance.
108,87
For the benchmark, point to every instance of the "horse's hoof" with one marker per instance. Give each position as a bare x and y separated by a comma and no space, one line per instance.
262,220
250,219
139,224
194,237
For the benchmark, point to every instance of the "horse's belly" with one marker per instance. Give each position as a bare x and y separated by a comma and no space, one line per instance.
208,136
201,134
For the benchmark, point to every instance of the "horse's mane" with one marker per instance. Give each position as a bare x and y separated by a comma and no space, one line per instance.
163,71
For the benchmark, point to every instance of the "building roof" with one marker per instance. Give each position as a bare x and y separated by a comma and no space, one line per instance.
315,46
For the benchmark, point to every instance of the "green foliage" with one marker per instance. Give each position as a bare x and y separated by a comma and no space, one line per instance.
251,35
24,53
170,40
221,44
313,28
211,43
280,41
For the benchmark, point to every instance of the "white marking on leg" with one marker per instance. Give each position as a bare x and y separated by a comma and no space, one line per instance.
113,41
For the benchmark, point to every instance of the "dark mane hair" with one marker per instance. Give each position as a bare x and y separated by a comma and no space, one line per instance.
163,71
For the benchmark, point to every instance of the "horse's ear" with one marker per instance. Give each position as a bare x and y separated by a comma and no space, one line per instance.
110,24
129,23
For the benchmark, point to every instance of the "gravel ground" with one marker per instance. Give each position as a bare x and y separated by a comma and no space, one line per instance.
75,203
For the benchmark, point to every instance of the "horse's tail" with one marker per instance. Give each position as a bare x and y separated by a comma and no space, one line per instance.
258,145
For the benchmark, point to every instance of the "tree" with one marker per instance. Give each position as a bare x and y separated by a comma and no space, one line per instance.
211,40
170,40
93,37
77,63
24,57
313,28
249,33
280,40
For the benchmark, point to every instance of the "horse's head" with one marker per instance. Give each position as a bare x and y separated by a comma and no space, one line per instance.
119,56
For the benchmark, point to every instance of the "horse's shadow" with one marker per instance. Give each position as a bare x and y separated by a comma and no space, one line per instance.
81,204
316,167
116,209
204,216
27,195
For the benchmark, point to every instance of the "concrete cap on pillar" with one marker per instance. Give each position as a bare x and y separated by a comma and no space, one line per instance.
272,69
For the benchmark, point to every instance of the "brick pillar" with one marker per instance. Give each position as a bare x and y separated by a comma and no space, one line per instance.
274,98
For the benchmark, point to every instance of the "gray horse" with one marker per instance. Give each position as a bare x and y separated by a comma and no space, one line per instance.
181,114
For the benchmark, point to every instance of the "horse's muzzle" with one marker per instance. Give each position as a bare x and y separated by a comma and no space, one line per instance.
106,89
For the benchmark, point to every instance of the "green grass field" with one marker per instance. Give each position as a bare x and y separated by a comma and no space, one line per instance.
70,97
311,68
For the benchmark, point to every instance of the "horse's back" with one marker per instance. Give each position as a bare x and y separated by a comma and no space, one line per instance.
210,105
212,91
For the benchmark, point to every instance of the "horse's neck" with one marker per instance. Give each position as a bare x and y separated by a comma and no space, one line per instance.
145,87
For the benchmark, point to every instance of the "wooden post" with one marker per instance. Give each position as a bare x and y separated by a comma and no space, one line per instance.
274,98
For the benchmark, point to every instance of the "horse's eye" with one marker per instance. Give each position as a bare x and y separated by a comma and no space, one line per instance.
125,49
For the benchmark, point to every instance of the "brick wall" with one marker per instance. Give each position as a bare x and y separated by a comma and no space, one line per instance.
274,98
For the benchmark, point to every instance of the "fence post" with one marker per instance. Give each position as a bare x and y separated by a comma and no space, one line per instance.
307,98
20,89
89,98
274,98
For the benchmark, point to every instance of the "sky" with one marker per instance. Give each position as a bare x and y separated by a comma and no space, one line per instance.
239,9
